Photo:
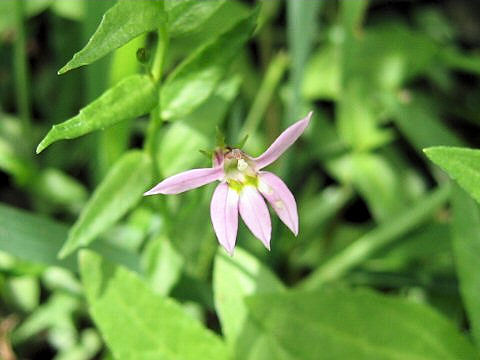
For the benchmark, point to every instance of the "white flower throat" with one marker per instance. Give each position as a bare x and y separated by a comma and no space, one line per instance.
239,168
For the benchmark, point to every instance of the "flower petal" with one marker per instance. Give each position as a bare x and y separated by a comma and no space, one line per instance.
283,142
224,214
280,198
186,180
255,213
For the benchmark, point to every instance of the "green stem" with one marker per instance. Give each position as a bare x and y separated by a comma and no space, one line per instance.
270,82
155,116
21,72
370,243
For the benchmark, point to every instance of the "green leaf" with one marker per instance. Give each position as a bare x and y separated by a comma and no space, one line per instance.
234,278
174,153
346,324
196,78
163,265
122,188
187,15
38,239
132,97
120,24
322,74
461,164
466,248
357,119
138,324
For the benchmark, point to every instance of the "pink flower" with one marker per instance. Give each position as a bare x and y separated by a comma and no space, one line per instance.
242,184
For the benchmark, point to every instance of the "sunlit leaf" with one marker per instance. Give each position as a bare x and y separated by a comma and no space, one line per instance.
466,247
235,278
120,24
462,164
194,80
346,324
185,16
138,324
122,188
132,97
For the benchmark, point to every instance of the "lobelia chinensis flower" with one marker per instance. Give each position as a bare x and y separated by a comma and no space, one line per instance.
242,184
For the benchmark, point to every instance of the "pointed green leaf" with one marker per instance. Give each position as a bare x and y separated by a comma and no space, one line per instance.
138,324
462,164
345,324
234,278
466,248
121,189
38,239
187,15
134,96
196,78
120,24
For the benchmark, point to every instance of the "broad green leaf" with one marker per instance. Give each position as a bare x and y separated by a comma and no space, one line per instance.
461,164
234,278
132,97
346,324
122,188
138,324
194,80
466,248
114,141
185,16
123,22
38,239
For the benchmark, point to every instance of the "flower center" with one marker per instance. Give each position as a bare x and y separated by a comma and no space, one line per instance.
239,169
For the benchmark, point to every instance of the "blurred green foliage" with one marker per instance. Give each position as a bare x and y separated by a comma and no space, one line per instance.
386,262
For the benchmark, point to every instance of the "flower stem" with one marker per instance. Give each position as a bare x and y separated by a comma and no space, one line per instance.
371,242
21,72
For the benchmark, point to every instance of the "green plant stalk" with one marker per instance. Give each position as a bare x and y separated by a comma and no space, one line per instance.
21,72
368,244
151,143
270,82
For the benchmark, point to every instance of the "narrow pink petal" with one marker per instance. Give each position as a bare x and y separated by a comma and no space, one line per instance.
224,214
187,180
280,198
254,212
283,142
